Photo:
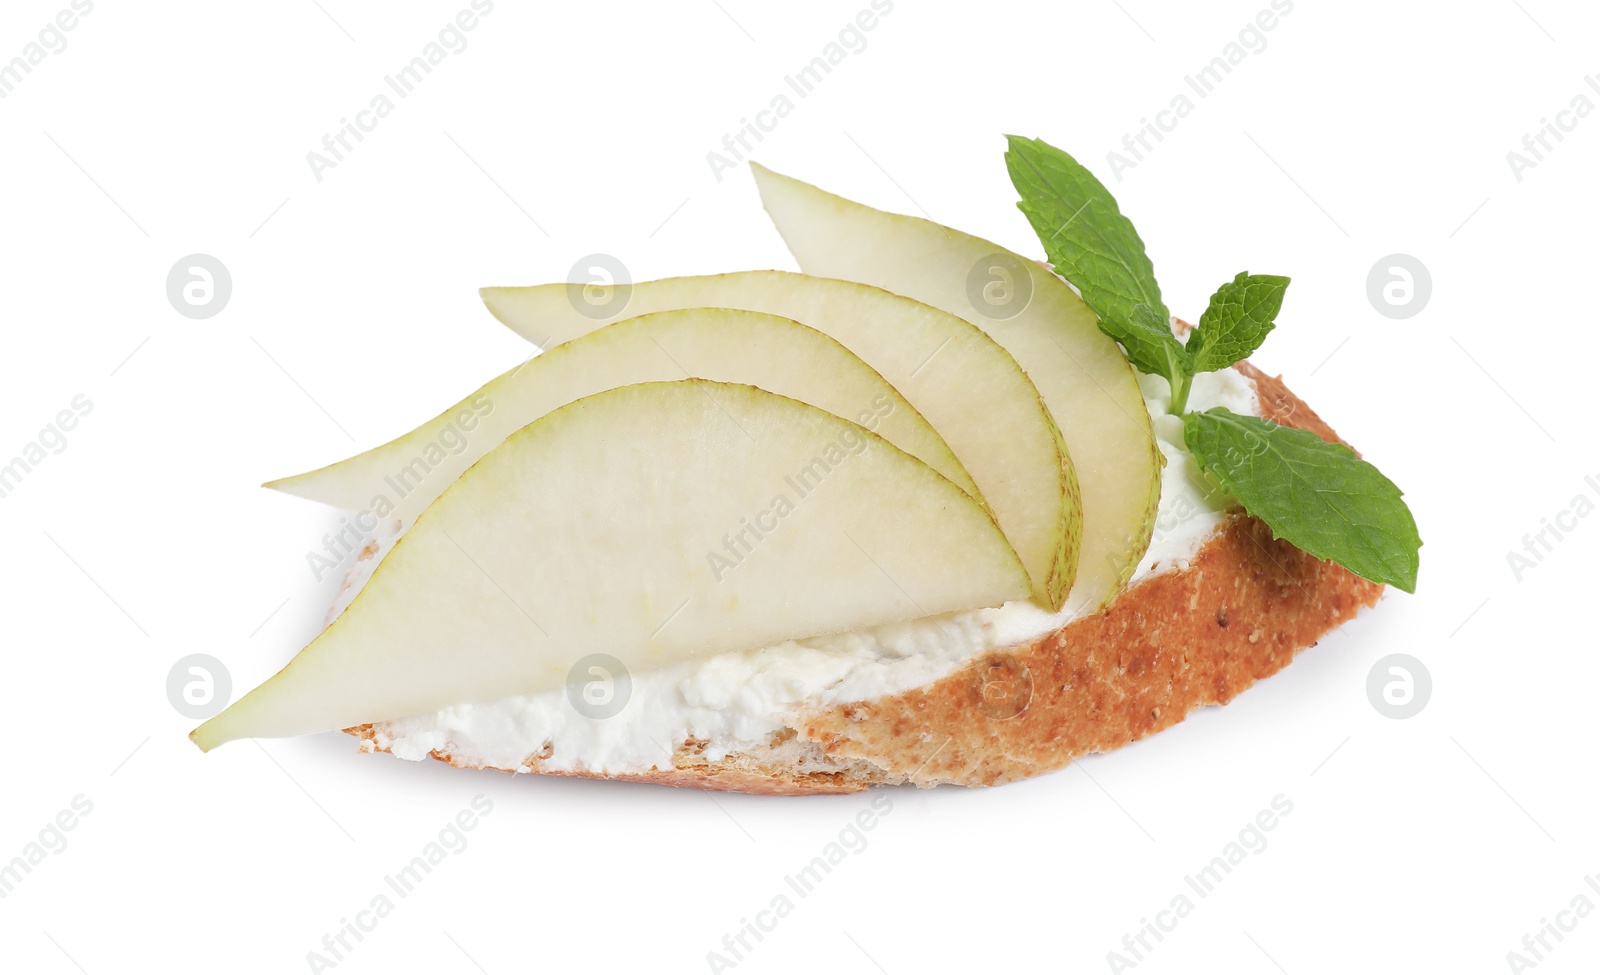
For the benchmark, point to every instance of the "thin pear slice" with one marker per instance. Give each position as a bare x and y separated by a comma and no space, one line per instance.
1084,377
656,524
775,354
967,386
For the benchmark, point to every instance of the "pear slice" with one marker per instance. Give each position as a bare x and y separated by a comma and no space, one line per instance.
654,523
961,380
775,354
1085,379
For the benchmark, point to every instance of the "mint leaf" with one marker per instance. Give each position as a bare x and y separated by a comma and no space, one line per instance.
1236,322
1319,496
1091,244
1150,344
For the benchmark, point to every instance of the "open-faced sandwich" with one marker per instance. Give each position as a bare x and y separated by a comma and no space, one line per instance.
929,512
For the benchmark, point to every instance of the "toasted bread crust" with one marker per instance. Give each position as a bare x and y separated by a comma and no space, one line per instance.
1241,610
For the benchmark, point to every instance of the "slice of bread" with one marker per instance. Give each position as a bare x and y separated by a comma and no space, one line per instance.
1240,611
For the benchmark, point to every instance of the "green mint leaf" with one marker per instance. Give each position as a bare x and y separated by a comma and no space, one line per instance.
1091,244
1319,496
1150,344
1236,322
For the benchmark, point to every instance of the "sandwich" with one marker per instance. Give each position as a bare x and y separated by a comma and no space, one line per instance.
927,512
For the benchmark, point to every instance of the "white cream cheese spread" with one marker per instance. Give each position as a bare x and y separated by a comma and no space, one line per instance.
739,700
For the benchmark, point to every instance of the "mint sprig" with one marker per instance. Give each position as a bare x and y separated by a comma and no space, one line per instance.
1319,496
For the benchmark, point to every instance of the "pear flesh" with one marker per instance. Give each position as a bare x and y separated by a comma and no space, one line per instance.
960,379
1083,375
655,523
776,354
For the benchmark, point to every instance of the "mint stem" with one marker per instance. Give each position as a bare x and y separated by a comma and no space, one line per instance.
1180,392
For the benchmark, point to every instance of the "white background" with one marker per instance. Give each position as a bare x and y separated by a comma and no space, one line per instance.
1362,129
